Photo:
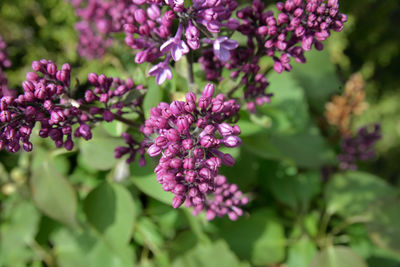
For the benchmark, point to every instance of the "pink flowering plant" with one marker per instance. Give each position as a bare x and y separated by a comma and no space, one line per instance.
169,109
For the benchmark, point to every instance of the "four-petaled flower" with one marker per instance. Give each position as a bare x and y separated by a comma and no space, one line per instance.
177,47
222,47
161,71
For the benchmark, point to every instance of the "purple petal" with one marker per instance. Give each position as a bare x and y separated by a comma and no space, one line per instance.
230,44
179,50
222,54
168,45
154,70
163,75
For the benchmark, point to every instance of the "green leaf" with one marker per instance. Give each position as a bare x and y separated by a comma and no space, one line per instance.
216,254
350,193
53,194
98,153
259,238
295,190
145,180
288,108
384,228
147,234
338,256
115,128
260,145
17,233
87,249
307,149
153,97
301,253
317,77
109,208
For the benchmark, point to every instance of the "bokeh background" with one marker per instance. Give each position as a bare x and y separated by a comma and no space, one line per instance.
85,208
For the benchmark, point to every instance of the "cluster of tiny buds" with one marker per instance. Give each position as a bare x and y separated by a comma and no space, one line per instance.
359,147
189,134
112,92
46,100
39,103
295,29
226,200
149,28
133,147
5,62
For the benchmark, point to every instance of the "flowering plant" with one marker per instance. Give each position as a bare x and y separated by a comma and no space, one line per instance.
187,103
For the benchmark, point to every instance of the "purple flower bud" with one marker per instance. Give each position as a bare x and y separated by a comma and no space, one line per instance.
154,151
225,129
173,135
188,163
51,68
208,91
57,115
187,144
161,141
36,66
85,132
108,116
177,107
207,141
177,201
5,116
175,163
232,141
182,124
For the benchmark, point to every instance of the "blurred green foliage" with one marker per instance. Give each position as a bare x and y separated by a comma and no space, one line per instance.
85,208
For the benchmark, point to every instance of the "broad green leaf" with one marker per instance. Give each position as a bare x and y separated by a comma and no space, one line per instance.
86,249
351,194
145,180
384,228
260,145
259,238
295,190
216,254
153,97
307,149
115,128
301,253
53,194
338,256
109,208
249,128
288,108
98,153
17,233
318,78
147,234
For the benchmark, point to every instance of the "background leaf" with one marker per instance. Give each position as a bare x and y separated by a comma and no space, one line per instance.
53,194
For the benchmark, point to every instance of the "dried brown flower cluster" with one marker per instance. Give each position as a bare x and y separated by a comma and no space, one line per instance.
342,107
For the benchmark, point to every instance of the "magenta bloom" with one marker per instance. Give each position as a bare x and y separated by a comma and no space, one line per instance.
222,47
188,135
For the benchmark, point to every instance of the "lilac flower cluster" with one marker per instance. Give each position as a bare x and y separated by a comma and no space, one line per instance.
226,200
149,28
298,26
359,147
4,63
47,100
133,147
188,134
112,92
39,103
154,30
96,25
